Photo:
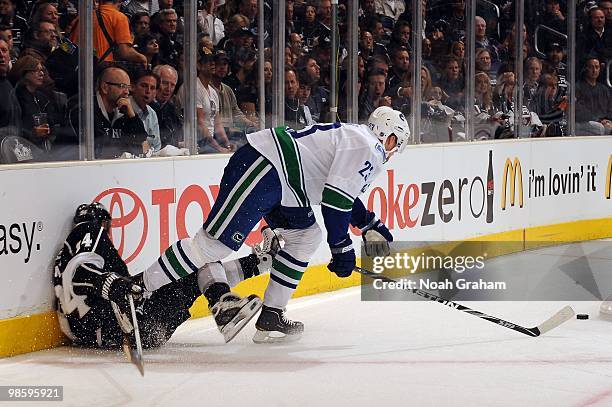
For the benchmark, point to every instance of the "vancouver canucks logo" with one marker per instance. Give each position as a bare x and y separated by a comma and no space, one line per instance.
238,237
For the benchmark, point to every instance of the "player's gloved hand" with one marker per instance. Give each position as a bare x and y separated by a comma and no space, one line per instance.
376,238
343,257
116,288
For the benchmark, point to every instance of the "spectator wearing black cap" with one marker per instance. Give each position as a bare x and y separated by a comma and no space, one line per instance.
555,54
212,137
234,120
233,23
240,38
242,79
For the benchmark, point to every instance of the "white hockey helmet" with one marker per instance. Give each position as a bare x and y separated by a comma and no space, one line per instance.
384,122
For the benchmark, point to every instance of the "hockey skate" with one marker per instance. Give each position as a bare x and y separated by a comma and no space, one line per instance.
232,313
273,327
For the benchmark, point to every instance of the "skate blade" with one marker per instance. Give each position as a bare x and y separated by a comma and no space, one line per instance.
274,337
246,313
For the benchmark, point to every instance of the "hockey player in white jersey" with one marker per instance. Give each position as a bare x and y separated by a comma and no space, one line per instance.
278,176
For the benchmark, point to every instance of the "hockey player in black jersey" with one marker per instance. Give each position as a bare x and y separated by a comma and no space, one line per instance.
92,283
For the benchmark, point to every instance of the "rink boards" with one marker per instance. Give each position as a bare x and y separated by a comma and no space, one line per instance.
521,190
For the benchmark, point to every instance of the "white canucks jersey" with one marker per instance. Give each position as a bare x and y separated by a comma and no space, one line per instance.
326,164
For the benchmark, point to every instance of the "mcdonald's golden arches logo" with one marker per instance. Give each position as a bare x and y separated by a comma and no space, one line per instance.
513,172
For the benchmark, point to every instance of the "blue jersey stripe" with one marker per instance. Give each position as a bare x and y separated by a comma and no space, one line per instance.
315,128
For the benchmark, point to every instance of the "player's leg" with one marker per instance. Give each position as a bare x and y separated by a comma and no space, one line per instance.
249,189
288,267
168,307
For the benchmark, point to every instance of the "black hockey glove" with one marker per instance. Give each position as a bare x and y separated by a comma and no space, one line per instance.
376,238
115,288
343,257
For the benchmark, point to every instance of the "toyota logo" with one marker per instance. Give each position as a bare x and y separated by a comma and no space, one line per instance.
125,207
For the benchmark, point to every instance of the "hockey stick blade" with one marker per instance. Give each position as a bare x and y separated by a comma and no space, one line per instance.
560,317
134,355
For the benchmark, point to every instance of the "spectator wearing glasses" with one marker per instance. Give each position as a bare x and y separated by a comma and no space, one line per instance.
118,129
168,113
41,40
42,115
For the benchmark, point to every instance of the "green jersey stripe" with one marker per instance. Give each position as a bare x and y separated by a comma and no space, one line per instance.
338,190
289,272
175,263
291,162
235,197
334,199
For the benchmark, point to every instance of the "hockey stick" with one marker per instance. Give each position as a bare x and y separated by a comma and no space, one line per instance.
133,355
560,317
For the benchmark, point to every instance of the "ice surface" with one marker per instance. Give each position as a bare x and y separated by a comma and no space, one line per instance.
352,353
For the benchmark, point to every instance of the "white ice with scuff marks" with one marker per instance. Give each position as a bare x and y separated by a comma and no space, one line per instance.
352,353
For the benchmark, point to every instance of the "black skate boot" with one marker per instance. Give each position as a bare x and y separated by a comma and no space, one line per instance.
232,313
273,327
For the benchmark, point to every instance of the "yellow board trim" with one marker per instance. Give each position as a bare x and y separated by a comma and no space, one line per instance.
41,331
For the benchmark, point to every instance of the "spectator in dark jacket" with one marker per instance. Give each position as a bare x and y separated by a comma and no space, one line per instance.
18,24
593,102
117,127
169,115
42,116
9,109
597,38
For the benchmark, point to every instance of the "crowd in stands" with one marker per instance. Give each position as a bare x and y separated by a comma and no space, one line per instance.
139,69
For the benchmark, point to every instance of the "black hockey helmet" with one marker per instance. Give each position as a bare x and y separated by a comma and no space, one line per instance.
93,212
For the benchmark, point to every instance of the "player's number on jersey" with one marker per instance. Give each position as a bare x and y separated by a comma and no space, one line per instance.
366,170
85,242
